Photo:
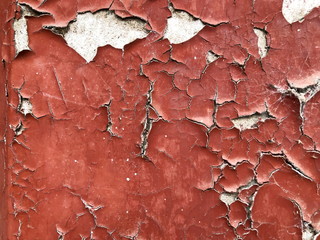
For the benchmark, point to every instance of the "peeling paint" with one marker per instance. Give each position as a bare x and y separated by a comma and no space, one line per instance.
25,106
181,27
250,121
228,198
211,57
308,233
18,129
20,28
92,30
262,42
304,94
159,120
296,10
21,35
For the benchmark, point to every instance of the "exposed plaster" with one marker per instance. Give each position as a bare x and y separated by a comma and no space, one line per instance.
228,197
109,125
21,35
211,57
296,10
250,121
181,27
308,232
25,106
262,41
92,30
303,94
147,126
18,129
20,27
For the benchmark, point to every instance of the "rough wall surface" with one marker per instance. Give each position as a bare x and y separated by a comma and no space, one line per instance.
149,119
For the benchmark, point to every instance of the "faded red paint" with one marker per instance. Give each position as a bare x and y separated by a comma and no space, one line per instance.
81,167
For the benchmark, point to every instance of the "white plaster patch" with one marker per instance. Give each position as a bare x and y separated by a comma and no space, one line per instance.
181,27
18,130
296,10
250,121
211,57
20,28
21,38
25,106
262,42
228,197
92,30
307,235
308,232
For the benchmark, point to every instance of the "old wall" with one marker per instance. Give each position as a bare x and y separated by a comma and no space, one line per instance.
187,119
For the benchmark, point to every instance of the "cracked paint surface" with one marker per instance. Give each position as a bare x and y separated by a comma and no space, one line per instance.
160,120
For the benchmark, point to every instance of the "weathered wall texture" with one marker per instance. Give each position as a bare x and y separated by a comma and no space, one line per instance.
149,119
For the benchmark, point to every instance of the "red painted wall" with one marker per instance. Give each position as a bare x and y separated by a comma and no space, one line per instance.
143,143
